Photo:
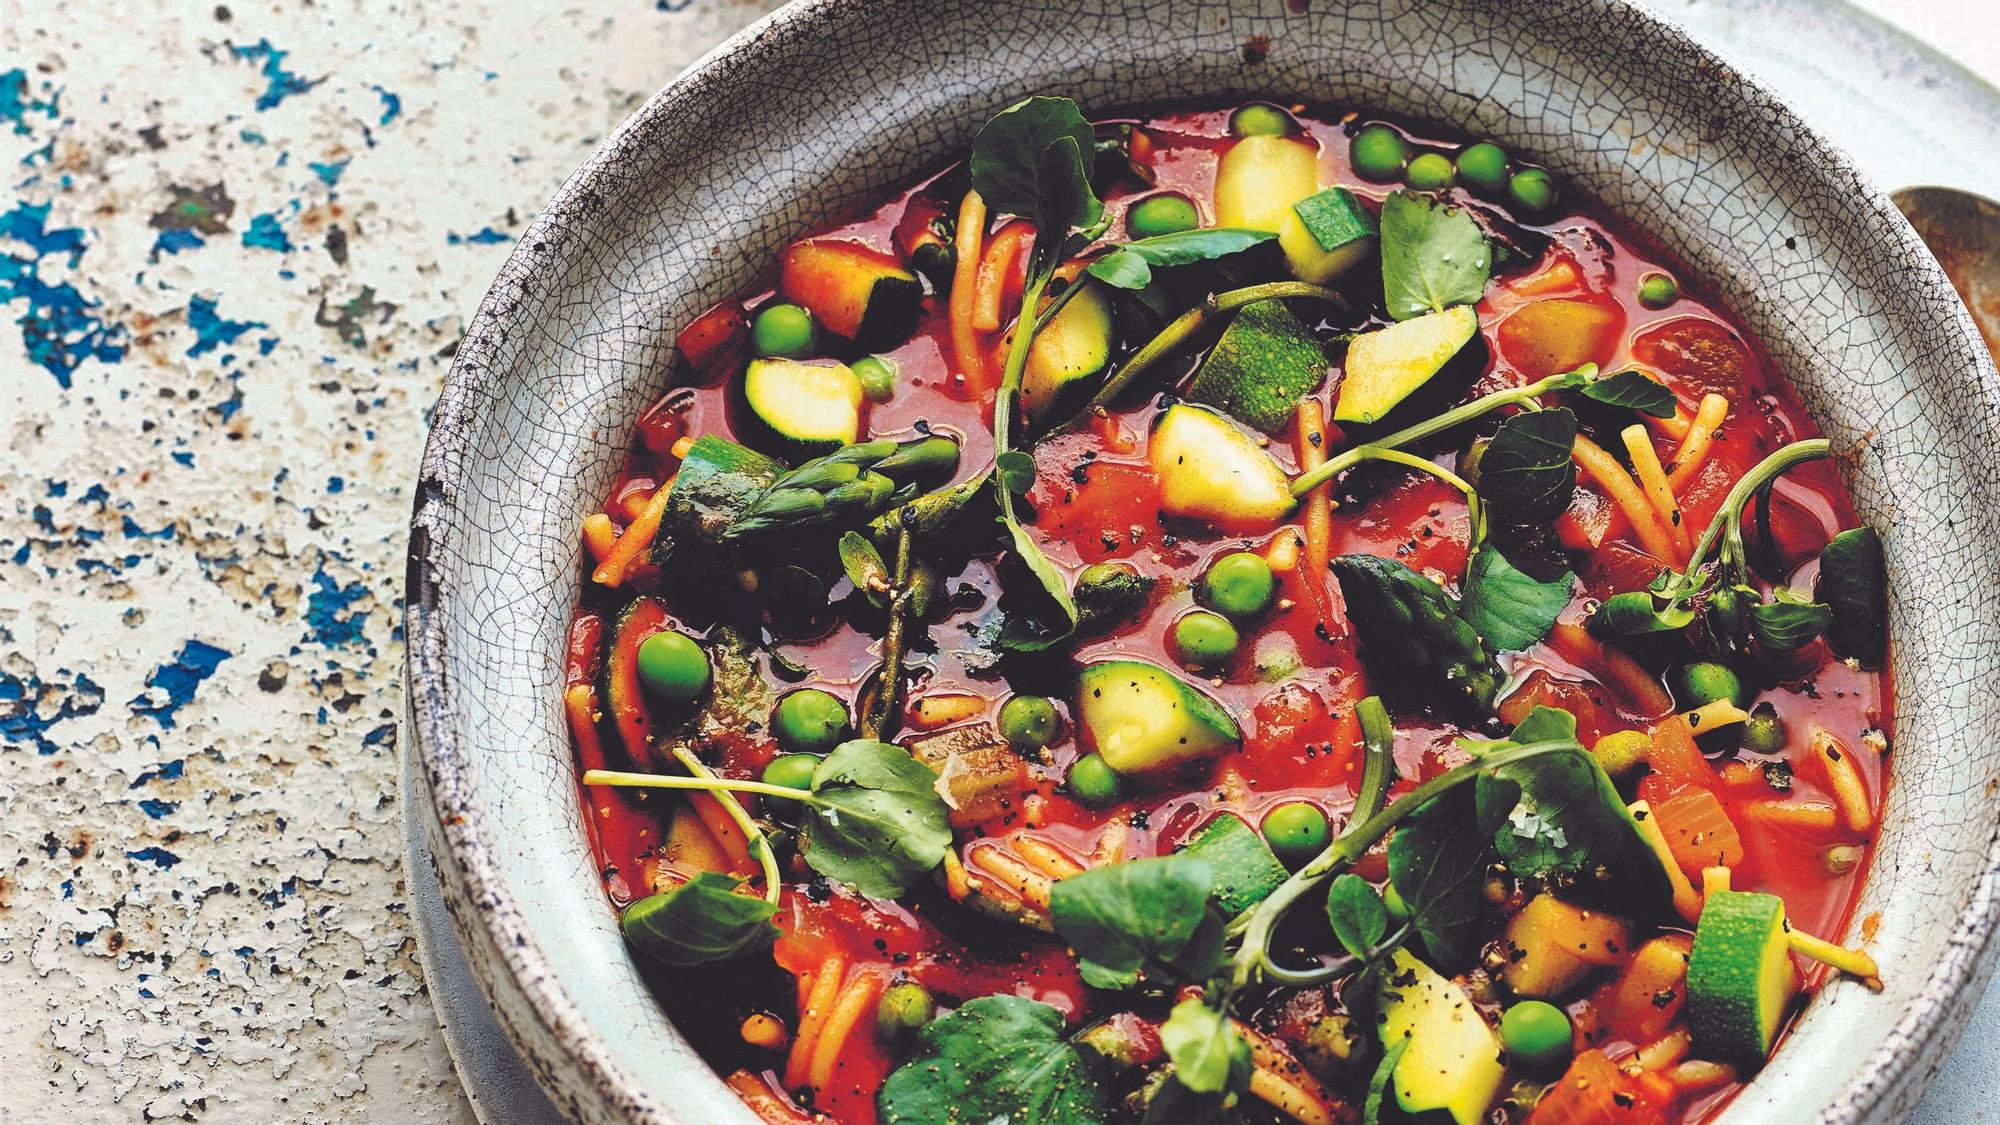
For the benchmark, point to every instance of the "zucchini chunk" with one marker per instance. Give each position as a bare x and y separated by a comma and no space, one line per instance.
1388,365
1210,470
1142,718
813,407
853,291
1262,367
1246,870
717,481
1739,978
1073,347
1325,235
1259,178
1452,1062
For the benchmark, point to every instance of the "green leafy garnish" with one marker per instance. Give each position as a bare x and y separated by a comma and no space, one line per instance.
1130,266
1146,916
1437,863
1788,621
1245,868
877,821
997,1058
1378,1083
701,921
1209,1055
1634,390
1359,918
1526,475
1855,584
1508,607
1433,257
864,567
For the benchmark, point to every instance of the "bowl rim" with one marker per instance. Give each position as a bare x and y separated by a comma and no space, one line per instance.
1922,1033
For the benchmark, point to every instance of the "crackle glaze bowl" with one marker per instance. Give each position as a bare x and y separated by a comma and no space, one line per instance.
827,104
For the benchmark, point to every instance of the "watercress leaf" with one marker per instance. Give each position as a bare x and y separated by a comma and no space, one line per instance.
1123,269
1544,724
1378,1083
1124,918
1008,154
1131,265
877,823
1633,389
1855,584
1048,629
1358,916
1637,612
1508,607
1437,863
1209,1055
701,921
1569,822
997,1058
1790,621
1015,471
1433,257
1526,475
1066,203
864,567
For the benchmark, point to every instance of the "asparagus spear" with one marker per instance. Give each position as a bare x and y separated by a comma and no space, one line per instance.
847,487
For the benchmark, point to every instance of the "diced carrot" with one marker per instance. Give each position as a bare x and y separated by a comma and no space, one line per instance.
999,268
1559,334
1699,831
716,339
1675,757
1646,996
600,535
771,1106
1593,1091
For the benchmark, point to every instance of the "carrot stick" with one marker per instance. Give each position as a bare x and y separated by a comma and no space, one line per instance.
1619,672
1030,885
1693,449
1843,780
1802,816
1624,492
1687,900
600,535
817,994
967,363
1675,427
1318,502
1046,858
632,545
1653,479
856,1000
1003,250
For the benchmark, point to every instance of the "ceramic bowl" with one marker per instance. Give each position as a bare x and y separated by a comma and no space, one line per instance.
825,105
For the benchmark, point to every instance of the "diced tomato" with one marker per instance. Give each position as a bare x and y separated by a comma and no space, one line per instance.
1697,355
1676,762
584,653
1587,521
1593,1091
1699,832
1559,334
1594,711
1306,735
716,340
1619,567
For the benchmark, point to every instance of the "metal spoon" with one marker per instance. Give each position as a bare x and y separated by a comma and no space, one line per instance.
1963,230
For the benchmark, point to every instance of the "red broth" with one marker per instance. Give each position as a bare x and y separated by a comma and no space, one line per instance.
1294,682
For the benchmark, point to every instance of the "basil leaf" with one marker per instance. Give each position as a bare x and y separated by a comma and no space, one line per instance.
1378,1083
1008,156
1507,607
1433,257
1854,582
1437,863
1127,918
1790,621
1633,389
1356,911
997,1058
701,921
1526,475
1208,1054
1131,266
877,821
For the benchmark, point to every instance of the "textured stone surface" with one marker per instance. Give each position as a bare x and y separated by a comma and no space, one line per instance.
573,340
237,249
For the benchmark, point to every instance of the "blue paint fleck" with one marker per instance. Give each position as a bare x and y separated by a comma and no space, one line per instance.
96,494
21,699
185,458
266,233
386,733
250,136
16,104
132,530
175,241
392,105
485,236
330,616
280,83
165,771
329,174
83,939
212,331
178,679
157,856
336,484
59,330
156,808
266,345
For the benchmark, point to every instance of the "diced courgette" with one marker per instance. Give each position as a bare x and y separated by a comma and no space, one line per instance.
1072,347
1388,365
853,291
1259,178
1211,471
1245,868
1326,234
810,407
1143,719
1265,363
1452,1062
1740,978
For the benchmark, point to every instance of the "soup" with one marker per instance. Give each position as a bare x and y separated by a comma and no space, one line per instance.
1373,639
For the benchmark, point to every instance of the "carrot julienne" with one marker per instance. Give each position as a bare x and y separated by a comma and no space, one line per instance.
1653,479
967,362
1694,447
857,998
1318,513
1000,262
632,545
817,993
1625,493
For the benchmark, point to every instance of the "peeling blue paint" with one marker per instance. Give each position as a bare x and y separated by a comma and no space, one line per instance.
60,329
183,457
267,233
16,103
156,808
485,236
329,174
212,331
157,856
280,83
330,616
178,679
336,484
392,105
165,771
20,703
132,530
175,241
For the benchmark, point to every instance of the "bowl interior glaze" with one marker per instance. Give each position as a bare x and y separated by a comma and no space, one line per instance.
825,105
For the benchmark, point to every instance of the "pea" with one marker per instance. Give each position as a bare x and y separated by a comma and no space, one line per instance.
1764,731
1392,901
810,721
1161,214
1532,190
904,1007
1296,831
1202,637
782,330
673,667
791,771
1260,119
1430,172
877,375
1705,681
1378,153
1093,782
1483,165
1028,722
1240,585
1536,1034
1658,290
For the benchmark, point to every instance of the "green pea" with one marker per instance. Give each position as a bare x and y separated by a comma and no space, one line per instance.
1536,1035
810,721
672,667
1430,172
1260,119
791,771
1532,190
1093,782
904,1007
1392,901
1202,637
1705,681
1161,214
1658,290
1483,165
1028,722
1240,585
782,330
877,376
1378,153
1297,831
1764,731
